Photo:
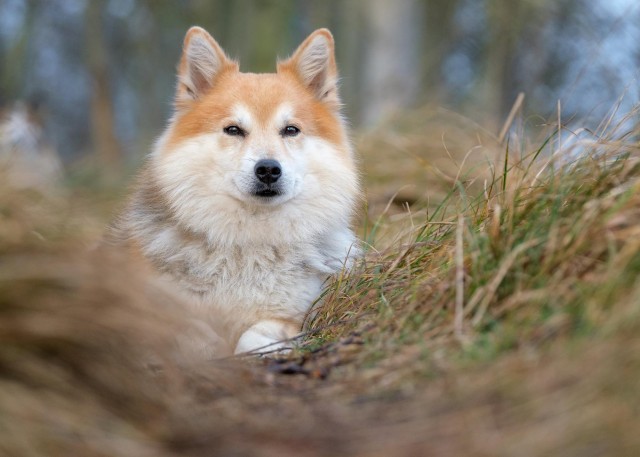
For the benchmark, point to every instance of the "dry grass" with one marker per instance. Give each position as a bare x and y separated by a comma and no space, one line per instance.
499,317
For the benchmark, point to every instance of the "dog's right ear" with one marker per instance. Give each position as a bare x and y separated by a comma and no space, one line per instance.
202,61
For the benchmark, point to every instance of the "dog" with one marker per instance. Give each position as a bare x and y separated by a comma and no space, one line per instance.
246,201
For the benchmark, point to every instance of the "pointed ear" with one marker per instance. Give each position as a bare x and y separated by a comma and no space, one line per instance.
314,64
201,62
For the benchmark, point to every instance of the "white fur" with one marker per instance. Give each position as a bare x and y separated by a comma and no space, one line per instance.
267,336
250,267
242,116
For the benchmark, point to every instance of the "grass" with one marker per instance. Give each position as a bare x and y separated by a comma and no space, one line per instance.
533,236
496,312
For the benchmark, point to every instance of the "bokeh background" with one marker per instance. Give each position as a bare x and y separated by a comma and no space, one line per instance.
100,74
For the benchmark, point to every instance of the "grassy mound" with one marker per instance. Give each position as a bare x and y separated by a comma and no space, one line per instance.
548,248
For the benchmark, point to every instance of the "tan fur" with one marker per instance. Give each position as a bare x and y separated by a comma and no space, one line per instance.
249,266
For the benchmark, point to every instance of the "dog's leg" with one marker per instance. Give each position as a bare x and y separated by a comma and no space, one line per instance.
267,336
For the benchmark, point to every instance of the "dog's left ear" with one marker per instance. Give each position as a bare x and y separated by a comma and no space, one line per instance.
314,64
201,63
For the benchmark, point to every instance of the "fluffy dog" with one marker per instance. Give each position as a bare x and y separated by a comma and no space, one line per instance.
245,203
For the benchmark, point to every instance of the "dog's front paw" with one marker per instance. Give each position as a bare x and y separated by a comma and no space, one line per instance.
268,337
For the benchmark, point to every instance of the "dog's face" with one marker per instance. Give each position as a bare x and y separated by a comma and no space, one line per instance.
259,138
256,142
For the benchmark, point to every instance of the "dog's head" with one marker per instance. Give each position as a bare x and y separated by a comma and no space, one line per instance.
256,143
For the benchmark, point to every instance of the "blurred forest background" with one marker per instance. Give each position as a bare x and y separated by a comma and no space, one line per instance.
100,74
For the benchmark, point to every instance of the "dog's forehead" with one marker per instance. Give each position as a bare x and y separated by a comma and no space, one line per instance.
260,98
249,115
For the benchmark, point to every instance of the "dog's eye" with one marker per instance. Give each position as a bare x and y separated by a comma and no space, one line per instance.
290,130
234,130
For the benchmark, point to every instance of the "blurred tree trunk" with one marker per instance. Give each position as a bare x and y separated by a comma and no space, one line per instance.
439,30
271,34
350,22
392,59
509,26
105,143
241,17
12,67
502,24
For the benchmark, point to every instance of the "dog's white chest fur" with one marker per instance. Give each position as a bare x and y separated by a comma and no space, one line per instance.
249,288
280,280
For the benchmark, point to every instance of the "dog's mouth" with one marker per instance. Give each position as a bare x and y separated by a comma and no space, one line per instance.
266,190
267,193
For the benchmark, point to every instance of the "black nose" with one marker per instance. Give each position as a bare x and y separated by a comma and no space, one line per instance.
268,170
